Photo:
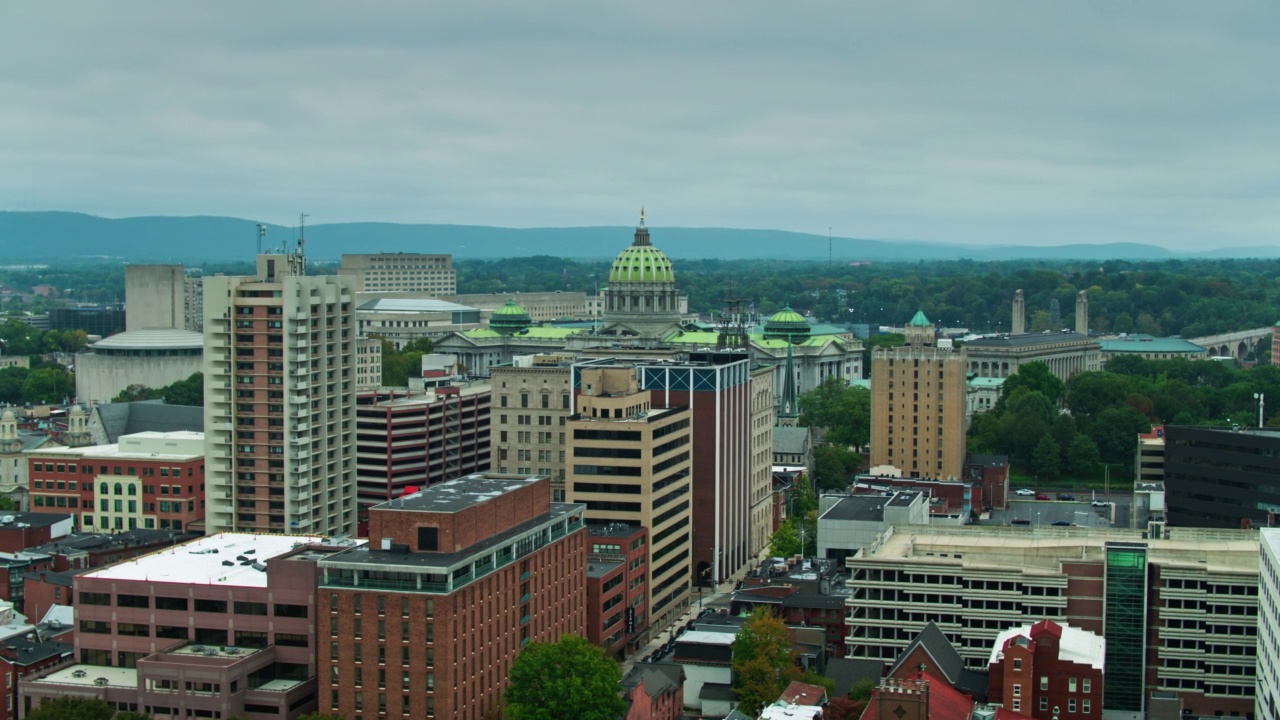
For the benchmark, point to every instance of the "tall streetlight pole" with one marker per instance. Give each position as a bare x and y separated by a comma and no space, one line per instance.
1262,401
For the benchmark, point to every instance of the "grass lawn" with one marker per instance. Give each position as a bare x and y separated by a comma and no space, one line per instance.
1121,480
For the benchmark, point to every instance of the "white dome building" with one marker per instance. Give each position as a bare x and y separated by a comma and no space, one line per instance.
152,358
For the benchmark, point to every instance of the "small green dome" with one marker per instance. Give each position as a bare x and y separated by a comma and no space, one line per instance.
510,318
919,320
642,262
787,324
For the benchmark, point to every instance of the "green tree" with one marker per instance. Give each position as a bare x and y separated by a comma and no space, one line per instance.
861,690
1115,432
832,466
1046,460
44,386
785,541
570,678
1082,456
763,660
185,392
843,409
69,708
1036,377
135,392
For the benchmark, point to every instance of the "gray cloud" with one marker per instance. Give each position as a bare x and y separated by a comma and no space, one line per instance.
952,121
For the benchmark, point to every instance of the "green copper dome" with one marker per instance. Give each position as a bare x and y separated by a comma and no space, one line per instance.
510,318
787,324
919,320
642,262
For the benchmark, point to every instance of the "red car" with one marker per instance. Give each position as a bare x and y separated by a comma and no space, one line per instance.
1042,496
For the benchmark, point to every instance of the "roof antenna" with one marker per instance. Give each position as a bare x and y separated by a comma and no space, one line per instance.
302,230
262,232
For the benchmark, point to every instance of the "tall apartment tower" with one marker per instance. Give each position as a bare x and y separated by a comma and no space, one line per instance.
630,462
1019,324
402,272
280,396
918,405
1082,313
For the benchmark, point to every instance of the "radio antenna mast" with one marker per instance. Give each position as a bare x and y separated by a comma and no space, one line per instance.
262,232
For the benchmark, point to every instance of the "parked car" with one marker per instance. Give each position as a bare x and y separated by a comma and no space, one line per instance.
1066,498
1019,521
1024,491
1061,523
1042,496
1099,503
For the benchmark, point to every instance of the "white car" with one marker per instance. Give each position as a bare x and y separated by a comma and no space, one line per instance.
1024,491
1099,503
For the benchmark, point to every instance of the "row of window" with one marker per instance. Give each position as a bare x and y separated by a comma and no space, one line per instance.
163,602
49,467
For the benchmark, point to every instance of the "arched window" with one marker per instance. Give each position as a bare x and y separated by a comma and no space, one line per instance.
133,489
102,488
119,489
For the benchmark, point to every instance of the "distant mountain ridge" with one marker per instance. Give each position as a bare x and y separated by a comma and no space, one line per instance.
28,236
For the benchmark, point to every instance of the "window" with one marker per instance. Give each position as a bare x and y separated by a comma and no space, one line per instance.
211,606
1017,665
1071,705
1044,703
1084,685
1017,705
1084,706
1017,690
1044,682
1071,684
250,608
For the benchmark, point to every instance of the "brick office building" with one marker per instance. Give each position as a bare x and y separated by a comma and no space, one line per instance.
426,620
617,587
148,480
1046,669
218,627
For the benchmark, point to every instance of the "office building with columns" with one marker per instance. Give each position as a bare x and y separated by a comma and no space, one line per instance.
1066,353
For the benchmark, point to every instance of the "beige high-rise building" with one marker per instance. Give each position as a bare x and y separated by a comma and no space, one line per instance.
918,405
532,400
761,452
280,393
631,463
402,272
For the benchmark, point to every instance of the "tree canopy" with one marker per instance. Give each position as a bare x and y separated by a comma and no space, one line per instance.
763,660
843,409
70,708
570,678
181,392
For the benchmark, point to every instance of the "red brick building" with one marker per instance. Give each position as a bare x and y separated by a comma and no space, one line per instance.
218,627
22,530
426,620
654,691
1038,668
44,589
148,480
19,658
617,614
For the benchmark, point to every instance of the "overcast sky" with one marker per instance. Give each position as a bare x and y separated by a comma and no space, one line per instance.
976,122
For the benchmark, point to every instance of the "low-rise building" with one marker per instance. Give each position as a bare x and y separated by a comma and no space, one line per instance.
20,657
848,523
1178,611
654,691
617,592
1150,348
1045,669
149,480
218,627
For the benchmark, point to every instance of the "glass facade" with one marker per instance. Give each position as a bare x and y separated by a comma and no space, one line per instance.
1125,626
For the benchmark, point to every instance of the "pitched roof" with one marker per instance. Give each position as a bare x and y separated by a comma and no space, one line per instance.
919,320
945,656
791,440
119,419
658,678
798,693
845,672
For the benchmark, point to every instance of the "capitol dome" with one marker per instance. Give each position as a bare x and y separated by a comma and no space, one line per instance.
642,262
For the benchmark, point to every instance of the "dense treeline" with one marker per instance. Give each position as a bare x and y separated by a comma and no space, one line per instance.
1172,297
1177,297
1105,411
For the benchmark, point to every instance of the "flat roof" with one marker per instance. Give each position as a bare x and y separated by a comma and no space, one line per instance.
412,305
1148,343
153,339
464,492
1025,340
114,451
202,561
600,568
13,520
1076,645
707,637
866,508
101,675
